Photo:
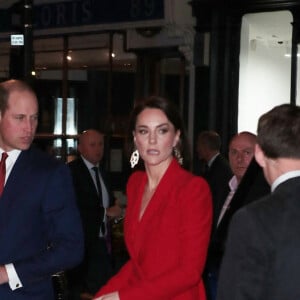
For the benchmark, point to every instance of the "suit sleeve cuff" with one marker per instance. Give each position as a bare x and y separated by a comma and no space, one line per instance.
13,278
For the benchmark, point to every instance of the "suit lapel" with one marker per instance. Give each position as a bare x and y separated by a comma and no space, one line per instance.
86,175
157,203
16,184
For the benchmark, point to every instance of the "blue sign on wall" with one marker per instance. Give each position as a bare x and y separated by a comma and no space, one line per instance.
89,12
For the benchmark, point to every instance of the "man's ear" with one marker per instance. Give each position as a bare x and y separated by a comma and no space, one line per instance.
260,156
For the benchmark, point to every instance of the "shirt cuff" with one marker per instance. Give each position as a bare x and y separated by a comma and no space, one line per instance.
13,278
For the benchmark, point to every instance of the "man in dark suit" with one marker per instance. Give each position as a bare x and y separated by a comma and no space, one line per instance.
262,259
40,228
216,171
95,205
253,186
243,187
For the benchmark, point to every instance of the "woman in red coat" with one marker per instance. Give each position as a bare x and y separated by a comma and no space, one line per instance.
168,217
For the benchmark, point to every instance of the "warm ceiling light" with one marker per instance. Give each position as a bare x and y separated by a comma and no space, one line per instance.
113,55
69,57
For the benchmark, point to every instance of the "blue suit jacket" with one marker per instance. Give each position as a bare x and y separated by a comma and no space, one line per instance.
40,228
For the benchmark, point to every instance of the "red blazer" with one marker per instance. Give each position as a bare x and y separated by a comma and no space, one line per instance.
168,245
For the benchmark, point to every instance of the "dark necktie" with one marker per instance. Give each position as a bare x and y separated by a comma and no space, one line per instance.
99,189
96,170
2,171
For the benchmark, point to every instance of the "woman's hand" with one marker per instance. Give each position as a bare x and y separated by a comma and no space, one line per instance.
111,296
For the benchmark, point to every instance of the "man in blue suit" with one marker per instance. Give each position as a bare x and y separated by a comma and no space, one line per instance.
40,228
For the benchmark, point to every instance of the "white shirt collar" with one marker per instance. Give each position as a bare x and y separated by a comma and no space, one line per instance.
210,162
233,183
11,159
88,164
284,177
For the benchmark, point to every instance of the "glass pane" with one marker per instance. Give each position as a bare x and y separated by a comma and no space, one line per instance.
71,126
265,67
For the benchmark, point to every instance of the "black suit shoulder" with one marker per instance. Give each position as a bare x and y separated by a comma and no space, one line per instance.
252,187
84,184
77,164
220,168
284,198
270,227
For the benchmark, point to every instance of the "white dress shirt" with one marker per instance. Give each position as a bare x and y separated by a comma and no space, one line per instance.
233,184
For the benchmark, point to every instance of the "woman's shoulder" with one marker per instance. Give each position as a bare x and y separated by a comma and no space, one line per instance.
136,177
187,177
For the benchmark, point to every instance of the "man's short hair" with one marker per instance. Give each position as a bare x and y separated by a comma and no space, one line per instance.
9,86
210,139
278,132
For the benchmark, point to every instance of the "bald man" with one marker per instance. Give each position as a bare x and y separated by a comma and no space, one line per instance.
93,199
241,153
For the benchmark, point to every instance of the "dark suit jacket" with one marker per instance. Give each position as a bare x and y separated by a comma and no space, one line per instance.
87,198
218,176
252,187
92,214
262,260
40,229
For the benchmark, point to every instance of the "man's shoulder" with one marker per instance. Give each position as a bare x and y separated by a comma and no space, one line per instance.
264,210
37,156
39,162
220,160
78,169
220,164
76,163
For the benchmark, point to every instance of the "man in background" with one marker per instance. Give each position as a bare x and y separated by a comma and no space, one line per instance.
95,201
40,228
216,171
241,152
262,259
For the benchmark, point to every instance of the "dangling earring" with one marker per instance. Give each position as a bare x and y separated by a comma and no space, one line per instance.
178,156
134,158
